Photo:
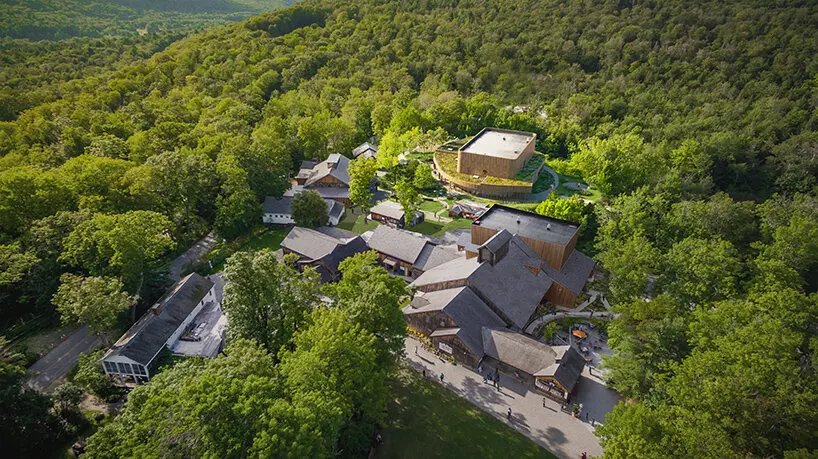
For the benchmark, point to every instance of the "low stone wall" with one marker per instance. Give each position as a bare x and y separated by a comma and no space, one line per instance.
484,189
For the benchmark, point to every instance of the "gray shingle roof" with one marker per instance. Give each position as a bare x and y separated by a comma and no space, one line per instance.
336,165
325,192
567,369
457,269
465,309
334,208
517,350
309,243
575,272
528,224
510,286
150,333
464,240
322,244
496,242
396,243
389,209
277,205
366,149
435,255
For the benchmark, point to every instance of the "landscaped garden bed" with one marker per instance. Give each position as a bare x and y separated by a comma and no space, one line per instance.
448,162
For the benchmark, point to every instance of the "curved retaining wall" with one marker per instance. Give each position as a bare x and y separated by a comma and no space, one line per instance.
485,189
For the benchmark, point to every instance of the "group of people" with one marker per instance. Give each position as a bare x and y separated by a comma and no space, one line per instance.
488,376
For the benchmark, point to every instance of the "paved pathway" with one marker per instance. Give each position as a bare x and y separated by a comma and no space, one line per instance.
537,418
543,195
45,372
607,315
195,252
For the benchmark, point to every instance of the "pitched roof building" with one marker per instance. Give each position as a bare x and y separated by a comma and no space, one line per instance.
365,150
333,172
323,248
278,211
159,328
391,213
514,261
407,252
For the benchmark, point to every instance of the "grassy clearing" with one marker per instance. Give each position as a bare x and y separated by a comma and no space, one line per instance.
260,237
431,206
354,221
428,421
435,228
544,181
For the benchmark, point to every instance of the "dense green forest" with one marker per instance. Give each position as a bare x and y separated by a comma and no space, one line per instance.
697,120
61,19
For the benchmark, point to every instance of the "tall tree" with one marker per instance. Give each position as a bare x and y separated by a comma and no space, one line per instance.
571,209
267,300
220,407
362,172
181,182
92,301
423,176
309,209
409,199
123,245
336,359
373,299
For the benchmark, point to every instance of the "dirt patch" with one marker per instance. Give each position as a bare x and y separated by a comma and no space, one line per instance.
93,403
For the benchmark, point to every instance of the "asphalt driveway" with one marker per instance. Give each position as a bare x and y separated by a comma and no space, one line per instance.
56,364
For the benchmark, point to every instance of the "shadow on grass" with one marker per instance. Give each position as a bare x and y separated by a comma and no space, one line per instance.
427,420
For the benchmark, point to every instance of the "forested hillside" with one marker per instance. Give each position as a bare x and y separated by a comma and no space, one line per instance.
61,19
697,120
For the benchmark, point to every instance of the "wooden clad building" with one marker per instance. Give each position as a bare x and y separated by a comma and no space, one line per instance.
496,152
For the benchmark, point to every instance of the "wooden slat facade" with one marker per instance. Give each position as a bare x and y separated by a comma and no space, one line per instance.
560,295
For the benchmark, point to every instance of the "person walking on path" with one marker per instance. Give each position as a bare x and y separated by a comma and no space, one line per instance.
416,350
508,415
441,376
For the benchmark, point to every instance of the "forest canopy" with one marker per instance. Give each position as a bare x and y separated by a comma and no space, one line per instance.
698,121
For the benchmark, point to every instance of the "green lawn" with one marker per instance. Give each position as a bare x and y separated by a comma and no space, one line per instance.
431,206
260,237
354,221
544,181
591,193
436,228
428,421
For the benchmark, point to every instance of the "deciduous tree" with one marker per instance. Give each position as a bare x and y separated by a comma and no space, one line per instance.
362,172
309,209
267,300
92,301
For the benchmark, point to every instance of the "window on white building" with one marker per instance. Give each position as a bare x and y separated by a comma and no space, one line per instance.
109,367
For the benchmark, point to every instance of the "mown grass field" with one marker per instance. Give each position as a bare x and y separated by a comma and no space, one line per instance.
427,421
